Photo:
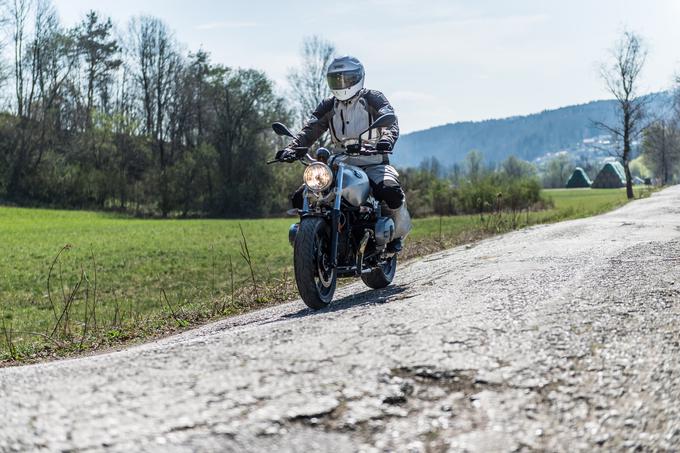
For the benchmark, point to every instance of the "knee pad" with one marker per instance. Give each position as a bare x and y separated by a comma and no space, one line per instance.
390,194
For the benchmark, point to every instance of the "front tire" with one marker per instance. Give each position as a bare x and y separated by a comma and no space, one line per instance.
315,280
381,276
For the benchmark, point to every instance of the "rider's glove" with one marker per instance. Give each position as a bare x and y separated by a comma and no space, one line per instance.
383,145
286,155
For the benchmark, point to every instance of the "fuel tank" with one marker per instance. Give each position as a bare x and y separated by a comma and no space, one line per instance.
355,185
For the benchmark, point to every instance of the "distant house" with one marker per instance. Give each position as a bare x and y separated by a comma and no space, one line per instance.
612,176
578,179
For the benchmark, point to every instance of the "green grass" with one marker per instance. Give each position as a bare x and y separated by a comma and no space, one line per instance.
568,204
189,260
577,203
135,259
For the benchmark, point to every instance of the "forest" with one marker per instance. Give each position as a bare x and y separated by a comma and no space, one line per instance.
100,118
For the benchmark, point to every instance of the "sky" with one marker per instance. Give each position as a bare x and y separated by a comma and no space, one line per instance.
437,61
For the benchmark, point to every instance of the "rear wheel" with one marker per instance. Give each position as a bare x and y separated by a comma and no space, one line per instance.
315,279
381,276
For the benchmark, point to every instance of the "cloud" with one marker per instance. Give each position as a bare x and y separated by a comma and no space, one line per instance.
226,25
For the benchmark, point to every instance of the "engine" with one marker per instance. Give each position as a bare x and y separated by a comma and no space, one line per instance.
384,231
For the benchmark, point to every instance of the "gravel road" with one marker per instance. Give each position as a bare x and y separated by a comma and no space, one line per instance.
563,337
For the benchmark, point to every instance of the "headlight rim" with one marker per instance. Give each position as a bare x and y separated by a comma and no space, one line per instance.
318,165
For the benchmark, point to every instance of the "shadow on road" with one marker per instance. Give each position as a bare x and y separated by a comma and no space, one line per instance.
371,296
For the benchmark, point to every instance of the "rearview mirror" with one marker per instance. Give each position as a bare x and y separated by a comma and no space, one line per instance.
281,129
385,120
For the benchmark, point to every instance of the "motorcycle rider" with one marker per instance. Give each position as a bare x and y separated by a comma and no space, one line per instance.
346,114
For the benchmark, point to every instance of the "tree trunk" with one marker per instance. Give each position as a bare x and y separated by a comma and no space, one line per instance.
627,130
629,181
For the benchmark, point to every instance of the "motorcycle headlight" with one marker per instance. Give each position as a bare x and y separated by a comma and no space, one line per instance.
318,177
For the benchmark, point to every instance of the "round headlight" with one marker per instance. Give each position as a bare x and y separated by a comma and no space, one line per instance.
318,177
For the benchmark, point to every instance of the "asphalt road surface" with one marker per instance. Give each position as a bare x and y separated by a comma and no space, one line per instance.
563,337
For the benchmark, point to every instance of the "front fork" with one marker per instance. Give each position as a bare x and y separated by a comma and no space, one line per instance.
335,215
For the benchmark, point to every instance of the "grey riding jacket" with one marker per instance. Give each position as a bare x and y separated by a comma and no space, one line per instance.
346,120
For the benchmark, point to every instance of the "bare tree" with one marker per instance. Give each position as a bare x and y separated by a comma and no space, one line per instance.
308,82
18,17
52,58
622,76
4,19
157,62
661,149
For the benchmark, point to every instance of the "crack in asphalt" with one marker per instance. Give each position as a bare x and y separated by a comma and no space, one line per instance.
562,337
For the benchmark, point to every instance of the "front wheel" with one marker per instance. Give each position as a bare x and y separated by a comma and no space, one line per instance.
315,278
381,276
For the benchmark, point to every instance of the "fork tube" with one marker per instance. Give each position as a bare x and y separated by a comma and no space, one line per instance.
305,201
335,216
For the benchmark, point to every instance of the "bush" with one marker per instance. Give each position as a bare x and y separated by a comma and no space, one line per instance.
498,191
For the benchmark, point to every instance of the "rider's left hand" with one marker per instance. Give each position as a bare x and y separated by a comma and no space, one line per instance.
286,155
383,145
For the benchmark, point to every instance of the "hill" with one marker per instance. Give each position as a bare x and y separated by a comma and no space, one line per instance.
527,137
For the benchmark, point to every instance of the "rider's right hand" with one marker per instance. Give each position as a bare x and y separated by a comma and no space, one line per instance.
286,155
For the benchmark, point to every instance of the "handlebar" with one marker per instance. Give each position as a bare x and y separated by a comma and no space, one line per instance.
349,151
294,148
364,152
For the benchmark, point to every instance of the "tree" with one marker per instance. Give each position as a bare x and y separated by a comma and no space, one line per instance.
42,62
101,54
676,100
308,82
432,166
244,105
622,77
18,16
156,60
557,171
661,149
474,165
151,130
456,174
515,167
53,95
4,19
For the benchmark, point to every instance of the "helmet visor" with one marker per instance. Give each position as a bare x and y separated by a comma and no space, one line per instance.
345,79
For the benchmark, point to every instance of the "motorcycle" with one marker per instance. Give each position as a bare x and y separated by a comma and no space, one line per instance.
342,231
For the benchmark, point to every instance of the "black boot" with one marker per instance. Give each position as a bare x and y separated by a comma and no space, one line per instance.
395,246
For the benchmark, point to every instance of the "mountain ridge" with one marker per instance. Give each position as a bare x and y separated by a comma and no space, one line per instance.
526,136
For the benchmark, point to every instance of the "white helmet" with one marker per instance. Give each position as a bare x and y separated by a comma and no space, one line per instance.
345,77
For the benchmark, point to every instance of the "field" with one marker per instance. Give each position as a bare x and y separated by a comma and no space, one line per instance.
568,204
73,280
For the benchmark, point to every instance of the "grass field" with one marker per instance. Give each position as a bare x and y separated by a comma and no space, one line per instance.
118,278
568,204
